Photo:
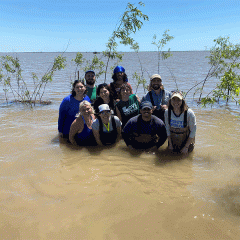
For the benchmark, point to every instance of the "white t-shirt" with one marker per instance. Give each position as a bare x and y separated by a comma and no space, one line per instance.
178,122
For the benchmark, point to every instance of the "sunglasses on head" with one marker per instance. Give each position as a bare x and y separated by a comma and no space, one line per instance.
176,91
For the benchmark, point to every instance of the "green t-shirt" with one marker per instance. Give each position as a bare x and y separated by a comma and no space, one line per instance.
92,93
129,108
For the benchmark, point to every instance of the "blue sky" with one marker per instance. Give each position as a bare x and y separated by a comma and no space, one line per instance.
85,26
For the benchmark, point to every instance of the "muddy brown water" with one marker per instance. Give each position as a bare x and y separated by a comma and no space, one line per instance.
51,190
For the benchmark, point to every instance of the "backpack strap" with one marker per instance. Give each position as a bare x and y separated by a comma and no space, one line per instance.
163,95
169,116
100,126
114,123
151,98
185,119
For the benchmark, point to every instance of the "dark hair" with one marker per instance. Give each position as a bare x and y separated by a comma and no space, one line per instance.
150,85
125,85
183,107
100,86
114,77
74,85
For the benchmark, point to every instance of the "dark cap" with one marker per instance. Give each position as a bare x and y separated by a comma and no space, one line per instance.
146,104
90,71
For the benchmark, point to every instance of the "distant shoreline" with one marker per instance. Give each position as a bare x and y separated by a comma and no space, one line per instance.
101,52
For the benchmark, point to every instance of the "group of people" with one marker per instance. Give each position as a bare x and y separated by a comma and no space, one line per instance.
104,114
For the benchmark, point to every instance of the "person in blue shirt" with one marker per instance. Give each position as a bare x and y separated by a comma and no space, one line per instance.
70,107
158,96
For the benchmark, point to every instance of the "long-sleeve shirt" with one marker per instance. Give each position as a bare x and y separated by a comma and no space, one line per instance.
178,122
67,113
153,127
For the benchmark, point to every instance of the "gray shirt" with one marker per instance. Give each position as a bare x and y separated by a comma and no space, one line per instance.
178,122
95,125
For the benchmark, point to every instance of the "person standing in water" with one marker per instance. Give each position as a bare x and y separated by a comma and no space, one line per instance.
90,78
158,96
180,124
104,96
128,106
119,77
81,129
144,131
106,128
70,107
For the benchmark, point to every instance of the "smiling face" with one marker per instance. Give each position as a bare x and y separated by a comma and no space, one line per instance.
105,116
86,110
119,76
104,93
79,89
125,91
90,78
176,103
156,83
146,113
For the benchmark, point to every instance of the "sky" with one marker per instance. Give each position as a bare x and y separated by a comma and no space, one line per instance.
85,26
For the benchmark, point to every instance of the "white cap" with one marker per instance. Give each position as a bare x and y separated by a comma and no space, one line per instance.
155,76
103,107
178,95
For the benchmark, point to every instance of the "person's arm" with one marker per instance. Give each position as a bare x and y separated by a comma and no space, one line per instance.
62,116
119,135
161,132
76,126
184,150
192,127
97,137
162,136
170,146
118,113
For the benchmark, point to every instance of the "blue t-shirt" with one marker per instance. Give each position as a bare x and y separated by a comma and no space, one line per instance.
67,113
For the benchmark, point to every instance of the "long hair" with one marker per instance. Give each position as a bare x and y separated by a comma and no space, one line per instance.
114,77
150,86
74,85
100,86
183,107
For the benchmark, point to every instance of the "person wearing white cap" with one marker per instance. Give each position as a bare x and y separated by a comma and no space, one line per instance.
106,128
144,131
180,123
157,95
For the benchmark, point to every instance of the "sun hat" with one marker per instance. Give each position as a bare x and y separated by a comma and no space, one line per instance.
90,71
118,69
146,104
103,107
155,76
178,95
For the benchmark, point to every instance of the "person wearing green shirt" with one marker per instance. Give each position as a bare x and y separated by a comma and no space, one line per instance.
90,78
